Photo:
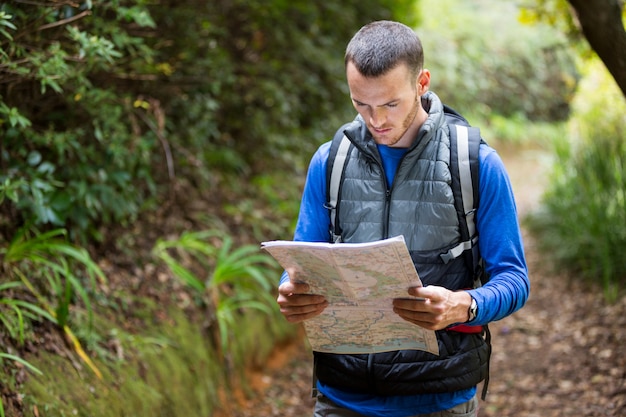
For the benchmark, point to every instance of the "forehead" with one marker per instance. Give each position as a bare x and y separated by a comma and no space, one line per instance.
392,85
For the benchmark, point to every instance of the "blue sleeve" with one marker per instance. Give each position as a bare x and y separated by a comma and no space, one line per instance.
314,220
500,242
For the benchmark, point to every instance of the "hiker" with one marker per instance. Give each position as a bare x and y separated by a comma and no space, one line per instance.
399,178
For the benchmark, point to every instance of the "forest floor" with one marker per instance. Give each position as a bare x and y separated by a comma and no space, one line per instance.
563,354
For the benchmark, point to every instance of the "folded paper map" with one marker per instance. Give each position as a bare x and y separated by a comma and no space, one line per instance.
359,281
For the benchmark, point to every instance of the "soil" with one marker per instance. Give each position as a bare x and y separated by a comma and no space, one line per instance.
562,354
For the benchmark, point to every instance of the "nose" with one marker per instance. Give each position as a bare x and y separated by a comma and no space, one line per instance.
378,117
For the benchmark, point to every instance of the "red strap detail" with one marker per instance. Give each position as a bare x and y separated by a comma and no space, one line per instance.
465,328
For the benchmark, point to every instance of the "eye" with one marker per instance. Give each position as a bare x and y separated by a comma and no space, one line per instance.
392,105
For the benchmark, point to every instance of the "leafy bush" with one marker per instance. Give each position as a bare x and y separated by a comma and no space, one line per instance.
485,62
263,82
228,282
583,223
74,152
104,104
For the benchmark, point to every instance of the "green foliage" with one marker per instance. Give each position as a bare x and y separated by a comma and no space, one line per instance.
167,368
229,282
44,256
583,223
105,104
13,116
52,271
268,206
74,151
556,13
265,80
5,23
560,15
518,130
20,361
15,313
524,71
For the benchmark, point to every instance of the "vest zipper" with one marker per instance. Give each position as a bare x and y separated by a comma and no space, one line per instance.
387,211
388,191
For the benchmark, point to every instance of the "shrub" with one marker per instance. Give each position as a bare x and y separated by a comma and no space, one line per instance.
228,282
105,104
583,223
75,153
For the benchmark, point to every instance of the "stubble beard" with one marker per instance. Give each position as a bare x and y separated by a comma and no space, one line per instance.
405,126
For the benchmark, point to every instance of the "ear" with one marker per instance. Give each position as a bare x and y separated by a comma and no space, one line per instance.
423,82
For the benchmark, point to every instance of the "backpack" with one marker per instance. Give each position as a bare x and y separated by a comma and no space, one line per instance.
464,145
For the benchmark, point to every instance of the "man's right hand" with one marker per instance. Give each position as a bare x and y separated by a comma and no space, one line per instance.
296,305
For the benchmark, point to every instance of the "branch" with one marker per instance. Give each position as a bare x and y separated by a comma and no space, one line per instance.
65,21
43,4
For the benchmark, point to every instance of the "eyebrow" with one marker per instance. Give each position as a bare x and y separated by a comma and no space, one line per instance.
384,104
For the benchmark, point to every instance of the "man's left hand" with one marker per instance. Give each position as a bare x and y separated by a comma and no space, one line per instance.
434,307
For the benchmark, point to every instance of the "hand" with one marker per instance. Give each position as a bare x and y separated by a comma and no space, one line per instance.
295,304
435,309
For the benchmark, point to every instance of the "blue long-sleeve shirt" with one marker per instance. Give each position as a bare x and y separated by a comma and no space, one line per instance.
500,245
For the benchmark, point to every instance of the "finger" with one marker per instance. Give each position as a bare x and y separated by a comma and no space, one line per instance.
431,292
287,288
425,320
300,313
298,300
411,304
413,312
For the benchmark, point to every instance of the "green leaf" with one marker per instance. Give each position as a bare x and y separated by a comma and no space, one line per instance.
22,361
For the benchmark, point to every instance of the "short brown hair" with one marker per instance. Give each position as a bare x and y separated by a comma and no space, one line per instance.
380,46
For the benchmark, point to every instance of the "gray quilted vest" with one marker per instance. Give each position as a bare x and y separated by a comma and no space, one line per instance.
420,204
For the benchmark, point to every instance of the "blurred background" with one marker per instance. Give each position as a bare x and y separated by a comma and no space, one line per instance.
147,147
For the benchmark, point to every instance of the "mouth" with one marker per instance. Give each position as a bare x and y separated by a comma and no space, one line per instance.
381,131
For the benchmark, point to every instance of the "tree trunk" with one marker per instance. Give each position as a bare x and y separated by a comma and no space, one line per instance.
602,26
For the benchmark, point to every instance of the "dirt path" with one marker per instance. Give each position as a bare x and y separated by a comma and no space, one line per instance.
563,354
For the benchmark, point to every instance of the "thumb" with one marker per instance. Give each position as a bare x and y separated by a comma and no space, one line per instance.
421,292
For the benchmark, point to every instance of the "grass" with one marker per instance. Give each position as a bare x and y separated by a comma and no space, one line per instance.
50,269
169,369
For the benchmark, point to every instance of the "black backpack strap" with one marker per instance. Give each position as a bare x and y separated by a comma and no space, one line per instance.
340,149
454,117
464,147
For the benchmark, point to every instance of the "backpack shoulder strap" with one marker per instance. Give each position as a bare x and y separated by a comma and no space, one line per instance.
464,147
338,156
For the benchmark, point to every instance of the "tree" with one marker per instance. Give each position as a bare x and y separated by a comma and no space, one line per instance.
600,22
602,25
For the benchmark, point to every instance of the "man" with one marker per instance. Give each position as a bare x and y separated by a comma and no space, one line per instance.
397,181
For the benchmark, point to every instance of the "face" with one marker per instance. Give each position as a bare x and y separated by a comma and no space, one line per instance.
390,104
